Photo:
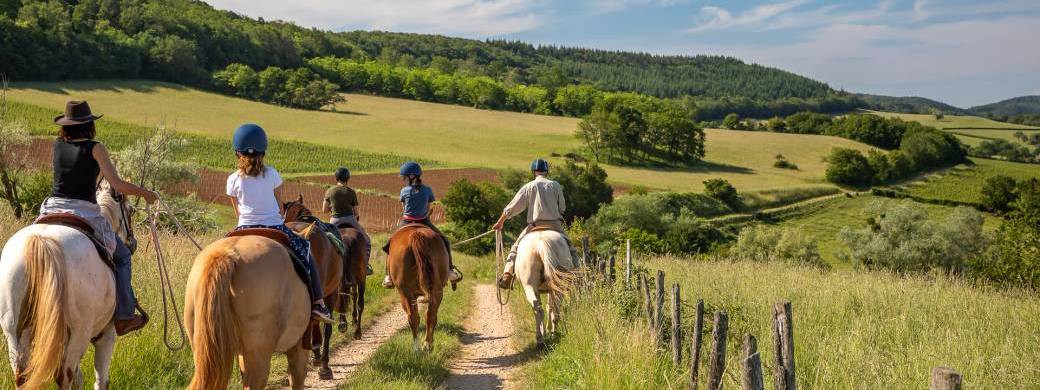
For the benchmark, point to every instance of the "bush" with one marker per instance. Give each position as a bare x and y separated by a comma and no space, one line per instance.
848,166
472,209
1014,257
689,234
33,188
194,215
643,241
766,243
585,188
671,218
723,191
782,163
902,238
998,192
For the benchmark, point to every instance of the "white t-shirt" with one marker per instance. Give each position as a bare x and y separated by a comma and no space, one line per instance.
257,204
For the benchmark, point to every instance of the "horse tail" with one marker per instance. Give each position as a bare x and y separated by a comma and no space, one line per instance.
44,310
420,242
214,336
558,276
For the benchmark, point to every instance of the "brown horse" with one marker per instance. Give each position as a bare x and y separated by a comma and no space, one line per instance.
244,299
337,273
418,266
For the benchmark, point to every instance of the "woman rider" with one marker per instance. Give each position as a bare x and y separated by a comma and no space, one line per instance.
78,161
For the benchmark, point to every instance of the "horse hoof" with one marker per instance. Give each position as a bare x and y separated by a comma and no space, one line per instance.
342,328
357,334
325,373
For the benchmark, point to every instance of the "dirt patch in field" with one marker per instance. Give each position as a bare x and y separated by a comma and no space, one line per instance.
438,179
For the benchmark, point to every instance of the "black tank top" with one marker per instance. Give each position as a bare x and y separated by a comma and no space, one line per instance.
75,170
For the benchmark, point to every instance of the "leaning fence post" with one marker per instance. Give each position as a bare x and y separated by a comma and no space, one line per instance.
659,307
628,263
695,345
717,360
752,367
783,346
676,325
649,303
945,378
610,272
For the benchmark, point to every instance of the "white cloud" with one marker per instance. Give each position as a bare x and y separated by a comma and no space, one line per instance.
472,18
717,18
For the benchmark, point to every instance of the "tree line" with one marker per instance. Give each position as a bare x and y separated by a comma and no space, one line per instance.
187,41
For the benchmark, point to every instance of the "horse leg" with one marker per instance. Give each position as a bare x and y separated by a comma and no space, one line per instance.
411,309
344,308
69,376
325,373
104,346
256,366
316,340
554,312
359,307
432,306
536,305
297,358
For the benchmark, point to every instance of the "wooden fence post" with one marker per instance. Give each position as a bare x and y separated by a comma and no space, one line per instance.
717,360
649,303
585,251
695,345
945,378
676,325
752,378
610,272
628,263
783,346
659,307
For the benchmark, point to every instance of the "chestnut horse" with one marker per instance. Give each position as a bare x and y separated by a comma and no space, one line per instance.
244,299
339,274
418,266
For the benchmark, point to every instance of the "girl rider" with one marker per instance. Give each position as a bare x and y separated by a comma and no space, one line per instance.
78,161
254,190
417,199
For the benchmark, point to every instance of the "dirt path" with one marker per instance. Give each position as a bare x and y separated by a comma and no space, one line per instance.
488,359
347,358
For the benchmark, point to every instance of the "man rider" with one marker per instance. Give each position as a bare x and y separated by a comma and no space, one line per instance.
544,202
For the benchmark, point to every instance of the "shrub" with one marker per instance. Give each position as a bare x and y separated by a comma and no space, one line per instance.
673,218
1014,257
928,148
766,243
781,162
194,215
584,186
33,188
643,241
689,234
808,122
902,238
472,209
732,122
848,166
723,191
998,192
880,165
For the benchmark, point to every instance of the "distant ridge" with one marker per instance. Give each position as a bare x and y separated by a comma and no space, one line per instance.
1021,105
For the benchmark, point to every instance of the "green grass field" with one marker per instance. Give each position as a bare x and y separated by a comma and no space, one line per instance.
963,183
456,136
952,122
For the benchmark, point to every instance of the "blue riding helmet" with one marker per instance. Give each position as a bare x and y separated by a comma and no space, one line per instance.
250,139
540,165
342,174
411,168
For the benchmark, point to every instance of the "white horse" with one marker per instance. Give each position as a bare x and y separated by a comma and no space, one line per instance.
543,265
56,297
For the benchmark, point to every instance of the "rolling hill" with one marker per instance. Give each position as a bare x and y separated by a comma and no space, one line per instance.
455,136
1021,105
909,104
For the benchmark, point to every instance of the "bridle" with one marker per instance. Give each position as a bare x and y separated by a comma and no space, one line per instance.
297,211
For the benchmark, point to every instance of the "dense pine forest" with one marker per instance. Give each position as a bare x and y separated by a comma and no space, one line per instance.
186,41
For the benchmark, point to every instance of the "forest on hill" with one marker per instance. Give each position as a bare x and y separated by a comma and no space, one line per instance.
186,41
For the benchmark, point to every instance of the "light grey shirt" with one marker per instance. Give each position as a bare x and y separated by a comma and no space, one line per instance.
542,198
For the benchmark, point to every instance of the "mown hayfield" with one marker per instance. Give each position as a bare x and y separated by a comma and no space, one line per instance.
456,136
963,183
823,221
852,330
953,122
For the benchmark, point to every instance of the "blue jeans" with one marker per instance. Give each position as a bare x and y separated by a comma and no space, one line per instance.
126,302
302,249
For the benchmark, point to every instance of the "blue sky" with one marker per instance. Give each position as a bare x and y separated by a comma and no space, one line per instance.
958,51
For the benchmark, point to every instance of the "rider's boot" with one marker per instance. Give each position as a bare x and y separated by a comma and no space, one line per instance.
506,281
321,313
131,324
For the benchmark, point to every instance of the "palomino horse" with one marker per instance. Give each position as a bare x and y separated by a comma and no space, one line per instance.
244,299
543,264
418,265
355,271
58,296
329,263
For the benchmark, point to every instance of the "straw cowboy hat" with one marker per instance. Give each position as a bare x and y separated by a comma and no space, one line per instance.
76,113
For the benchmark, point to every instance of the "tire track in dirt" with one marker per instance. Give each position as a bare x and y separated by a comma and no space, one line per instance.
488,359
347,358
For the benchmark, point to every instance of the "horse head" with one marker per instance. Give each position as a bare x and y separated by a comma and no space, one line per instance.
117,211
295,210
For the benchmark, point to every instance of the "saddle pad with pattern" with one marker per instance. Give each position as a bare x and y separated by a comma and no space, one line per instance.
76,222
274,234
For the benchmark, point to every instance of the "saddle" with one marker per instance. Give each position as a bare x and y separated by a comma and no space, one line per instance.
542,228
273,234
76,222
331,232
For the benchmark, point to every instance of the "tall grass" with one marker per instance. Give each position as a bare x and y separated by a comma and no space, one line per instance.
765,199
852,329
963,183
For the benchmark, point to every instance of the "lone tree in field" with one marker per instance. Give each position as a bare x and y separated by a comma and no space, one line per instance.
14,146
